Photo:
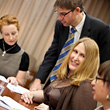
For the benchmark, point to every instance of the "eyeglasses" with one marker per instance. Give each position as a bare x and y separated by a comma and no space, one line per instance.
97,78
63,14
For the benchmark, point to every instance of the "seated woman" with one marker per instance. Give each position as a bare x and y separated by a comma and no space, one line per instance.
72,89
14,62
101,86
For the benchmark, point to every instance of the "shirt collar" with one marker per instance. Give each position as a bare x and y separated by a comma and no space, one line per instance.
80,25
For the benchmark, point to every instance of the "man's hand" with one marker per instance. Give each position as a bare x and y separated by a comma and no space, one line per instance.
36,85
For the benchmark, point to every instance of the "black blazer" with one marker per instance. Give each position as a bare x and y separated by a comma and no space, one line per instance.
93,28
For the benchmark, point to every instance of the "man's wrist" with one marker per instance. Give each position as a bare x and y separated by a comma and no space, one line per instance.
37,80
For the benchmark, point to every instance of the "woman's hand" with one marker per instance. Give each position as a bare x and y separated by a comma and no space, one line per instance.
12,80
27,97
42,107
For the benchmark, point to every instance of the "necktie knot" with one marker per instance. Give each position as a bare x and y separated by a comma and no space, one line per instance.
73,30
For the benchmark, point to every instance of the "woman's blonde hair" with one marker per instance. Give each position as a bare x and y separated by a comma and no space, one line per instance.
7,20
87,69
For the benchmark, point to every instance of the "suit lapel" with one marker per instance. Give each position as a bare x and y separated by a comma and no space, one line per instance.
85,31
64,35
86,28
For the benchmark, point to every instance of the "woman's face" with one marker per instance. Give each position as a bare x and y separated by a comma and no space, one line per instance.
10,34
100,89
76,57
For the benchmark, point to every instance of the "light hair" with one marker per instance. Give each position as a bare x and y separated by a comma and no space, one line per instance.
7,20
87,69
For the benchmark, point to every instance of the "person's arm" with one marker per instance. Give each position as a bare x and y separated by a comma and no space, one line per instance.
36,85
29,97
23,67
24,64
19,79
49,61
104,42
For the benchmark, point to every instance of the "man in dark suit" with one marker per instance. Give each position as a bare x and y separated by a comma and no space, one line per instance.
71,14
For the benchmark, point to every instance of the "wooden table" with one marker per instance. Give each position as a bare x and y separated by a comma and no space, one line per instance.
16,97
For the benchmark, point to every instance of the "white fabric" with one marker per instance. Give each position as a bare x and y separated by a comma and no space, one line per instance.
79,29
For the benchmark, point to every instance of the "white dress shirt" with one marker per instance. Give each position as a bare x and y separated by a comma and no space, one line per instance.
79,29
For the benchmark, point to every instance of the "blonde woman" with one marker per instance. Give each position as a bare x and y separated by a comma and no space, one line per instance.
72,89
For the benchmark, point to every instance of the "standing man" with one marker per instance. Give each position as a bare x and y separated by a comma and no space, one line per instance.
71,14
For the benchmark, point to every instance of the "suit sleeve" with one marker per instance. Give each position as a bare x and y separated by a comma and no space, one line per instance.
104,43
50,57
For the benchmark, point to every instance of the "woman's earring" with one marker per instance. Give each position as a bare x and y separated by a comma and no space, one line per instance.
108,97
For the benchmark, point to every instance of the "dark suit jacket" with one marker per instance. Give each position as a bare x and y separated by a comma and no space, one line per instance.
93,28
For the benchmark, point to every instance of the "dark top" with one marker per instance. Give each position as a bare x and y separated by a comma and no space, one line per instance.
25,58
61,96
93,28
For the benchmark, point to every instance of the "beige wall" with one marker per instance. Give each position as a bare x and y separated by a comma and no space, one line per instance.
37,20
